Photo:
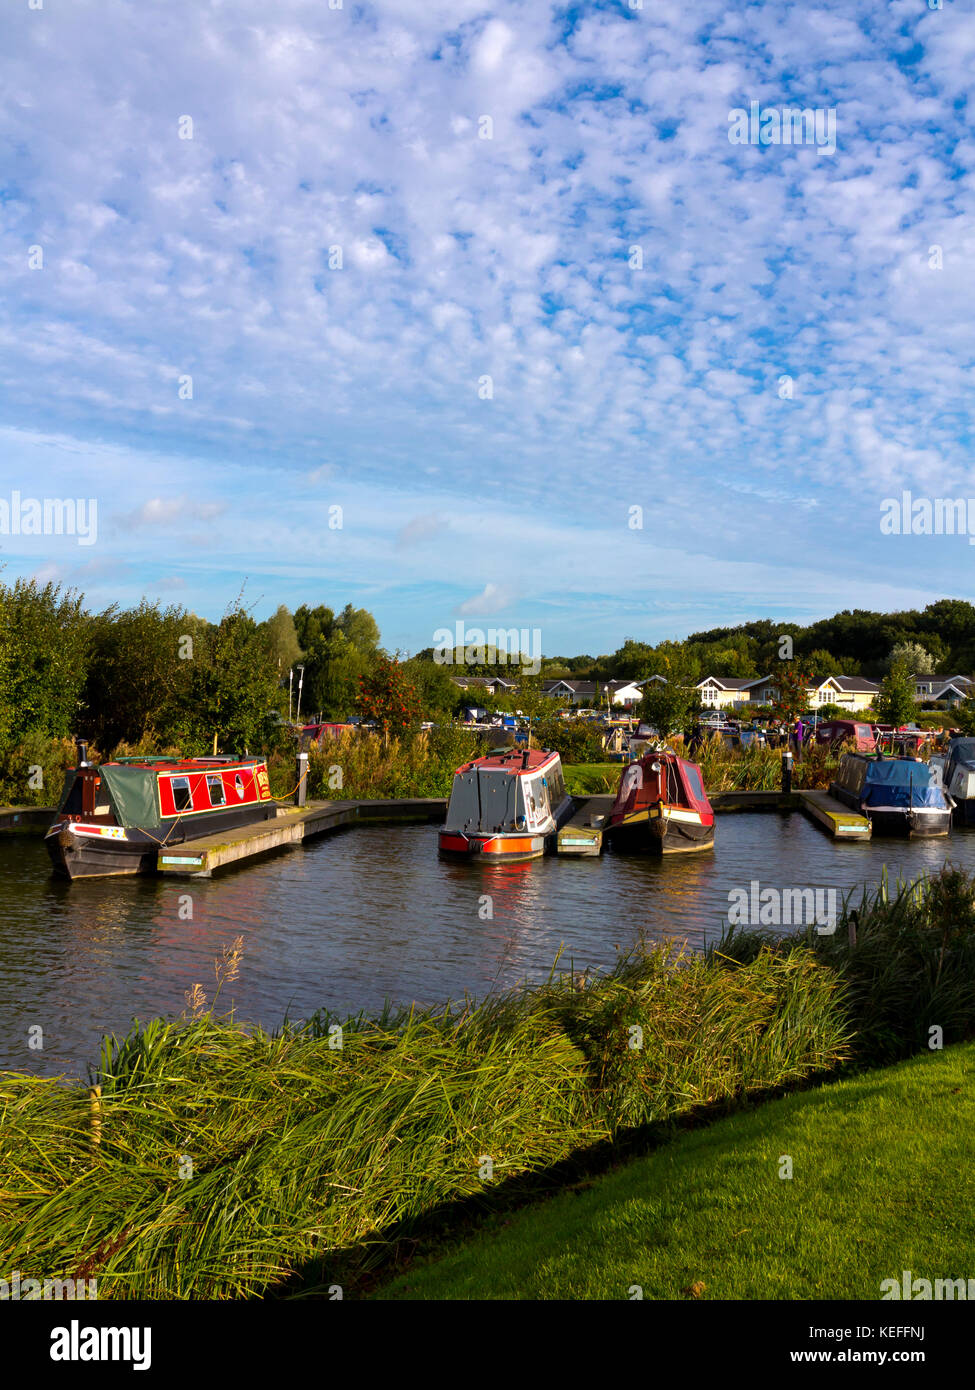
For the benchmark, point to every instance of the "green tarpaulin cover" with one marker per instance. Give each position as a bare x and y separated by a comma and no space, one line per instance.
133,795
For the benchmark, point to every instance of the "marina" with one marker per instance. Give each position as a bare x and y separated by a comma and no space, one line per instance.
370,912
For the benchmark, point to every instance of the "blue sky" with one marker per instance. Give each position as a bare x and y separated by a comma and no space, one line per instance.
510,257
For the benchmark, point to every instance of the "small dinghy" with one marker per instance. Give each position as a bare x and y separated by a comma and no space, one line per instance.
506,806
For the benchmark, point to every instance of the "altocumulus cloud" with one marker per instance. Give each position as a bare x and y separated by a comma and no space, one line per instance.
339,258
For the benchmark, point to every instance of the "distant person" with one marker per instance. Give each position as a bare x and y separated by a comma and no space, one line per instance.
696,741
798,737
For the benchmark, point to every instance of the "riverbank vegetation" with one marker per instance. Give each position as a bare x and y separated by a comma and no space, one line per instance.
154,679
214,1160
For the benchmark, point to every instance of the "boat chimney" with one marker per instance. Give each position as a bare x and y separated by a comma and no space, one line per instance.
82,747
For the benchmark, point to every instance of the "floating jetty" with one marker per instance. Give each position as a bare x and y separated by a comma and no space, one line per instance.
832,815
292,825
582,837
26,817
582,834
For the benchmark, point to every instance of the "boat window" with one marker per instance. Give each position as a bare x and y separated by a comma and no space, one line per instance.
182,799
218,796
239,785
694,783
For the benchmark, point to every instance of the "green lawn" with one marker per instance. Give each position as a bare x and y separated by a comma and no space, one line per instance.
589,779
882,1181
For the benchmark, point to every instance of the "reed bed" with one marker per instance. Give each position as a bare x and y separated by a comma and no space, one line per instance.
358,765
208,1160
906,955
759,768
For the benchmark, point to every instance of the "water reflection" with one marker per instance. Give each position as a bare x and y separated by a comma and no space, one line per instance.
370,914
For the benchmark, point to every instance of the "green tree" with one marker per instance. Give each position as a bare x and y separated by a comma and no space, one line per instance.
575,740
792,681
821,663
282,640
45,637
311,624
387,698
669,708
333,668
896,703
533,702
233,688
360,628
916,659
138,681
439,697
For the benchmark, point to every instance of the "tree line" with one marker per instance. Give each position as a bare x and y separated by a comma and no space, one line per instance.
163,675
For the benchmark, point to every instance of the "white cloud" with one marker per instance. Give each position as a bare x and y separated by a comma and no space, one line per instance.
492,599
172,511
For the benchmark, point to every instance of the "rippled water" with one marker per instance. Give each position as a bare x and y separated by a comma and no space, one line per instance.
371,913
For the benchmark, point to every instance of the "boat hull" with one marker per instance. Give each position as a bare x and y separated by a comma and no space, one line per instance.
662,830
915,823
108,851
493,849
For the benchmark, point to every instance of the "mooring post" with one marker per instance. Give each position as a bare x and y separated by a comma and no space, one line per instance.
787,773
302,775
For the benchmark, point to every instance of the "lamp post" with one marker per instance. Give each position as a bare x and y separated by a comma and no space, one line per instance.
301,681
291,676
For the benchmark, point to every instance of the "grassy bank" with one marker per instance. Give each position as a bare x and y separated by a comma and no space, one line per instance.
217,1161
881,1181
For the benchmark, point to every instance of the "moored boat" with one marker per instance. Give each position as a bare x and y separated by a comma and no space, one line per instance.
117,818
959,778
661,806
900,796
506,806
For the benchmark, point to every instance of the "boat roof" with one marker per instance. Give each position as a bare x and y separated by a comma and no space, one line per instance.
184,764
519,762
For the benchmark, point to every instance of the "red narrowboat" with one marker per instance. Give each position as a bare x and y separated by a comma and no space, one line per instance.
506,806
661,806
118,817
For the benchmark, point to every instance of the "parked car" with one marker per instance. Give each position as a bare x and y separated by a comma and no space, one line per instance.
834,731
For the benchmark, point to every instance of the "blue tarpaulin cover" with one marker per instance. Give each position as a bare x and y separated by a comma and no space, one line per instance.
902,784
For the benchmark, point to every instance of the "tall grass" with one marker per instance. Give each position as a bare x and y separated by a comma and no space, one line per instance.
906,956
217,1160
360,766
759,768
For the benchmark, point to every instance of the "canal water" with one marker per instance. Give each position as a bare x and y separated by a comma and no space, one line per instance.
368,914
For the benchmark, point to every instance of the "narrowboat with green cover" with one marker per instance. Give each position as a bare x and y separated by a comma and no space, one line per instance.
118,817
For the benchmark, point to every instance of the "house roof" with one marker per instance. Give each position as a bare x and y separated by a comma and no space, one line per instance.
586,687
481,682
733,682
850,685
